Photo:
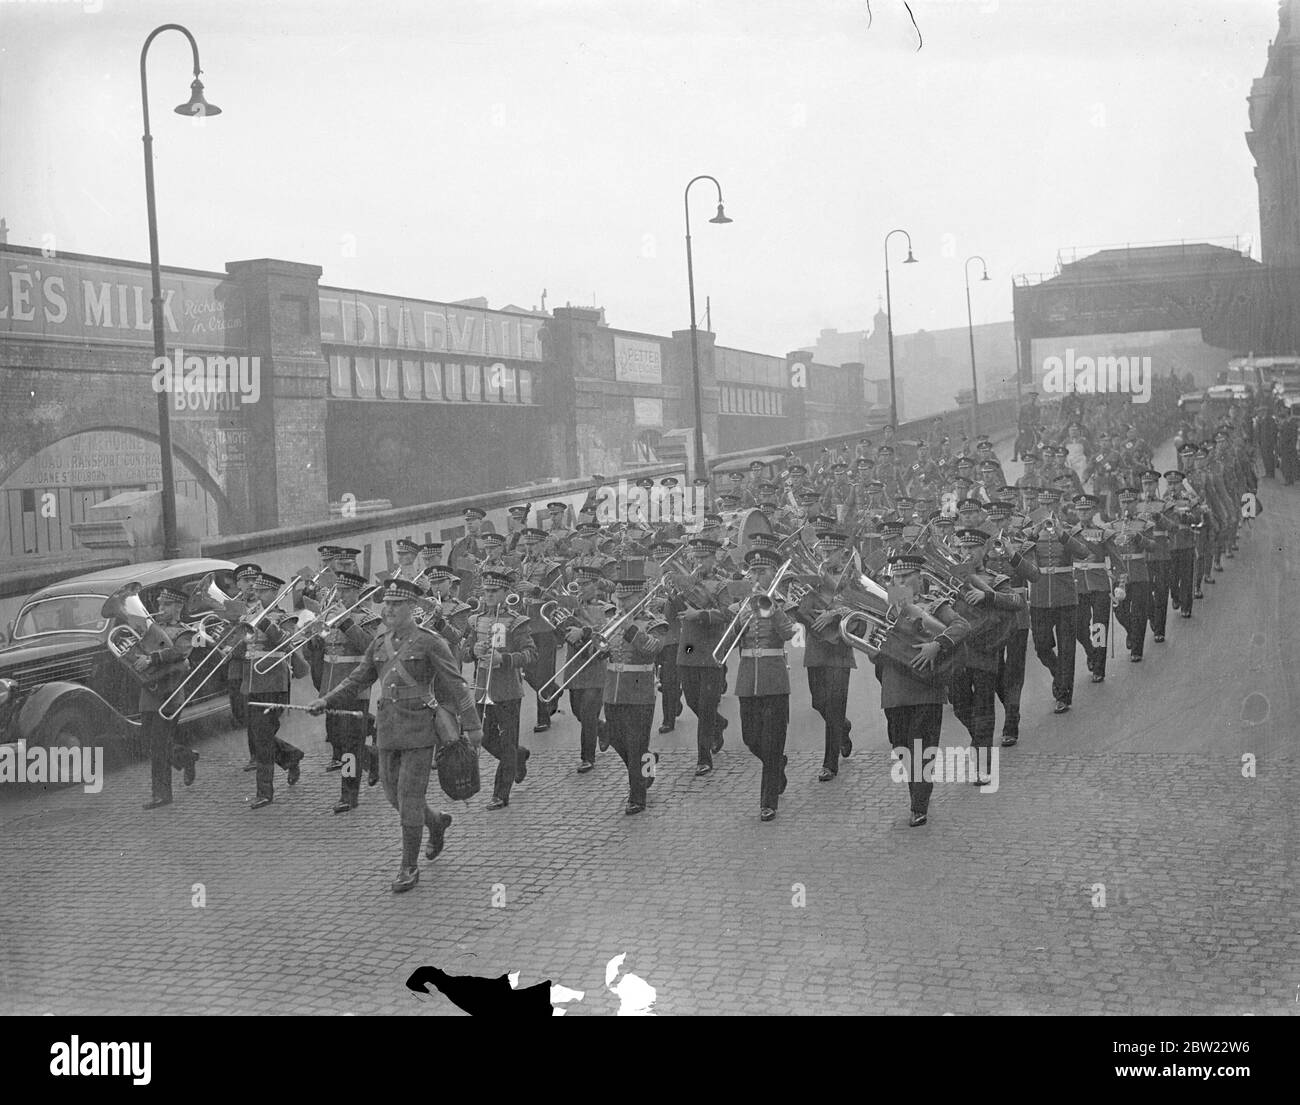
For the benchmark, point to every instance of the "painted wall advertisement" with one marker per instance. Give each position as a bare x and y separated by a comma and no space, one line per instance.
88,301
638,362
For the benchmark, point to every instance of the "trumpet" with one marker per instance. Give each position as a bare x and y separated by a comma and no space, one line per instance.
216,659
309,626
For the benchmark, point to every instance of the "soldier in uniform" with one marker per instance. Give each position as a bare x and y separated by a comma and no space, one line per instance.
465,554
670,685
694,602
245,574
887,470
538,573
269,750
430,558
495,557
629,692
344,648
1129,547
587,614
163,661
984,455
1091,582
516,521
502,649
839,500
974,682
407,550
914,708
763,679
703,491
1152,507
557,532
1054,601
413,667
828,661
1182,551
1002,555
586,555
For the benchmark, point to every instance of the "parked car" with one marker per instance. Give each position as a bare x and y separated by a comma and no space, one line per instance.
60,686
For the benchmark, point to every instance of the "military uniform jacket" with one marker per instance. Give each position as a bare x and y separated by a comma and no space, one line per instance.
1185,536
507,681
264,638
825,649
1129,553
345,648
1162,528
543,573
590,615
699,635
840,500
899,688
763,669
1092,572
599,560
168,656
630,666
411,666
1023,573
233,611
1054,556
1006,601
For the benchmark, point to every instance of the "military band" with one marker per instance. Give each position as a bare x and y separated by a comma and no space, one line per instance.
950,570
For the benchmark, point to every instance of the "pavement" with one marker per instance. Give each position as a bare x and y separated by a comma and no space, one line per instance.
1139,856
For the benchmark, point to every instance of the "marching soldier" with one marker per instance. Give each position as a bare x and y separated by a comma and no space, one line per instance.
558,531
269,750
839,500
466,553
585,555
407,550
974,682
245,574
162,664
629,692
1002,555
763,679
704,494
538,573
449,616
1054,602
1152,507
694,601
984,456
828,661
502,648
1091,583
1129,547
413,667
516,522
887,470
587,614
1182,552
914,708
345,646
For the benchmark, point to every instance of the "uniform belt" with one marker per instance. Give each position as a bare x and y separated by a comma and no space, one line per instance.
255,653
629,667
1134,556
1092,564
1057,571
758,653
343,659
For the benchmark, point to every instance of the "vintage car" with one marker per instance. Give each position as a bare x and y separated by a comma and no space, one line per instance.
59,683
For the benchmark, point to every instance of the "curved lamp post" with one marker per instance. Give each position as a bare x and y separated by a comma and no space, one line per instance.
970,332
701,469
889,323
195,106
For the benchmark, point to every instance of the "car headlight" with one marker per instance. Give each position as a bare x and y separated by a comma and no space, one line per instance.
8,690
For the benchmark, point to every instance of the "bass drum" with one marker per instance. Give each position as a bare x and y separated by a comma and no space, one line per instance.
739,527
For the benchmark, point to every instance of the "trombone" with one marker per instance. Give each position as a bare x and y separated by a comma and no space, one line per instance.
215,660
592,650
309,626
761,604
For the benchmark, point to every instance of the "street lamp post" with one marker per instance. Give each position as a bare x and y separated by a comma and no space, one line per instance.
195,106
701,469
970,331
889,324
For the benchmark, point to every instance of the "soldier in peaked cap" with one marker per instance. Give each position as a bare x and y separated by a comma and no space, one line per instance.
704,493
269,750
415,671
586,614
1130,546
245,575
516,520
344,648
839,499
502,648
763,680
1054,601
1159,560
557,530
629,691
670,685
538,573
1190,511
1091,585
466,553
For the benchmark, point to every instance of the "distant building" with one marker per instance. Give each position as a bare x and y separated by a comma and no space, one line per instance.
1274,114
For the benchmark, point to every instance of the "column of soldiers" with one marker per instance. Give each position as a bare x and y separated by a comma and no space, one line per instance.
627,614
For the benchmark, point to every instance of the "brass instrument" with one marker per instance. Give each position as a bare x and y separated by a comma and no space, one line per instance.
599,643
761,604
893,630
216,659
308,627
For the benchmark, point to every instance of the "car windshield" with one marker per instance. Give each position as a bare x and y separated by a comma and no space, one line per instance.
61,614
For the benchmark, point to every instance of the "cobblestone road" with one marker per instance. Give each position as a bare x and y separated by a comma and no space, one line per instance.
990,908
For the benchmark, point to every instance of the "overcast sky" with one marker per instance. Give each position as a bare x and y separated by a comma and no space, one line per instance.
445,149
